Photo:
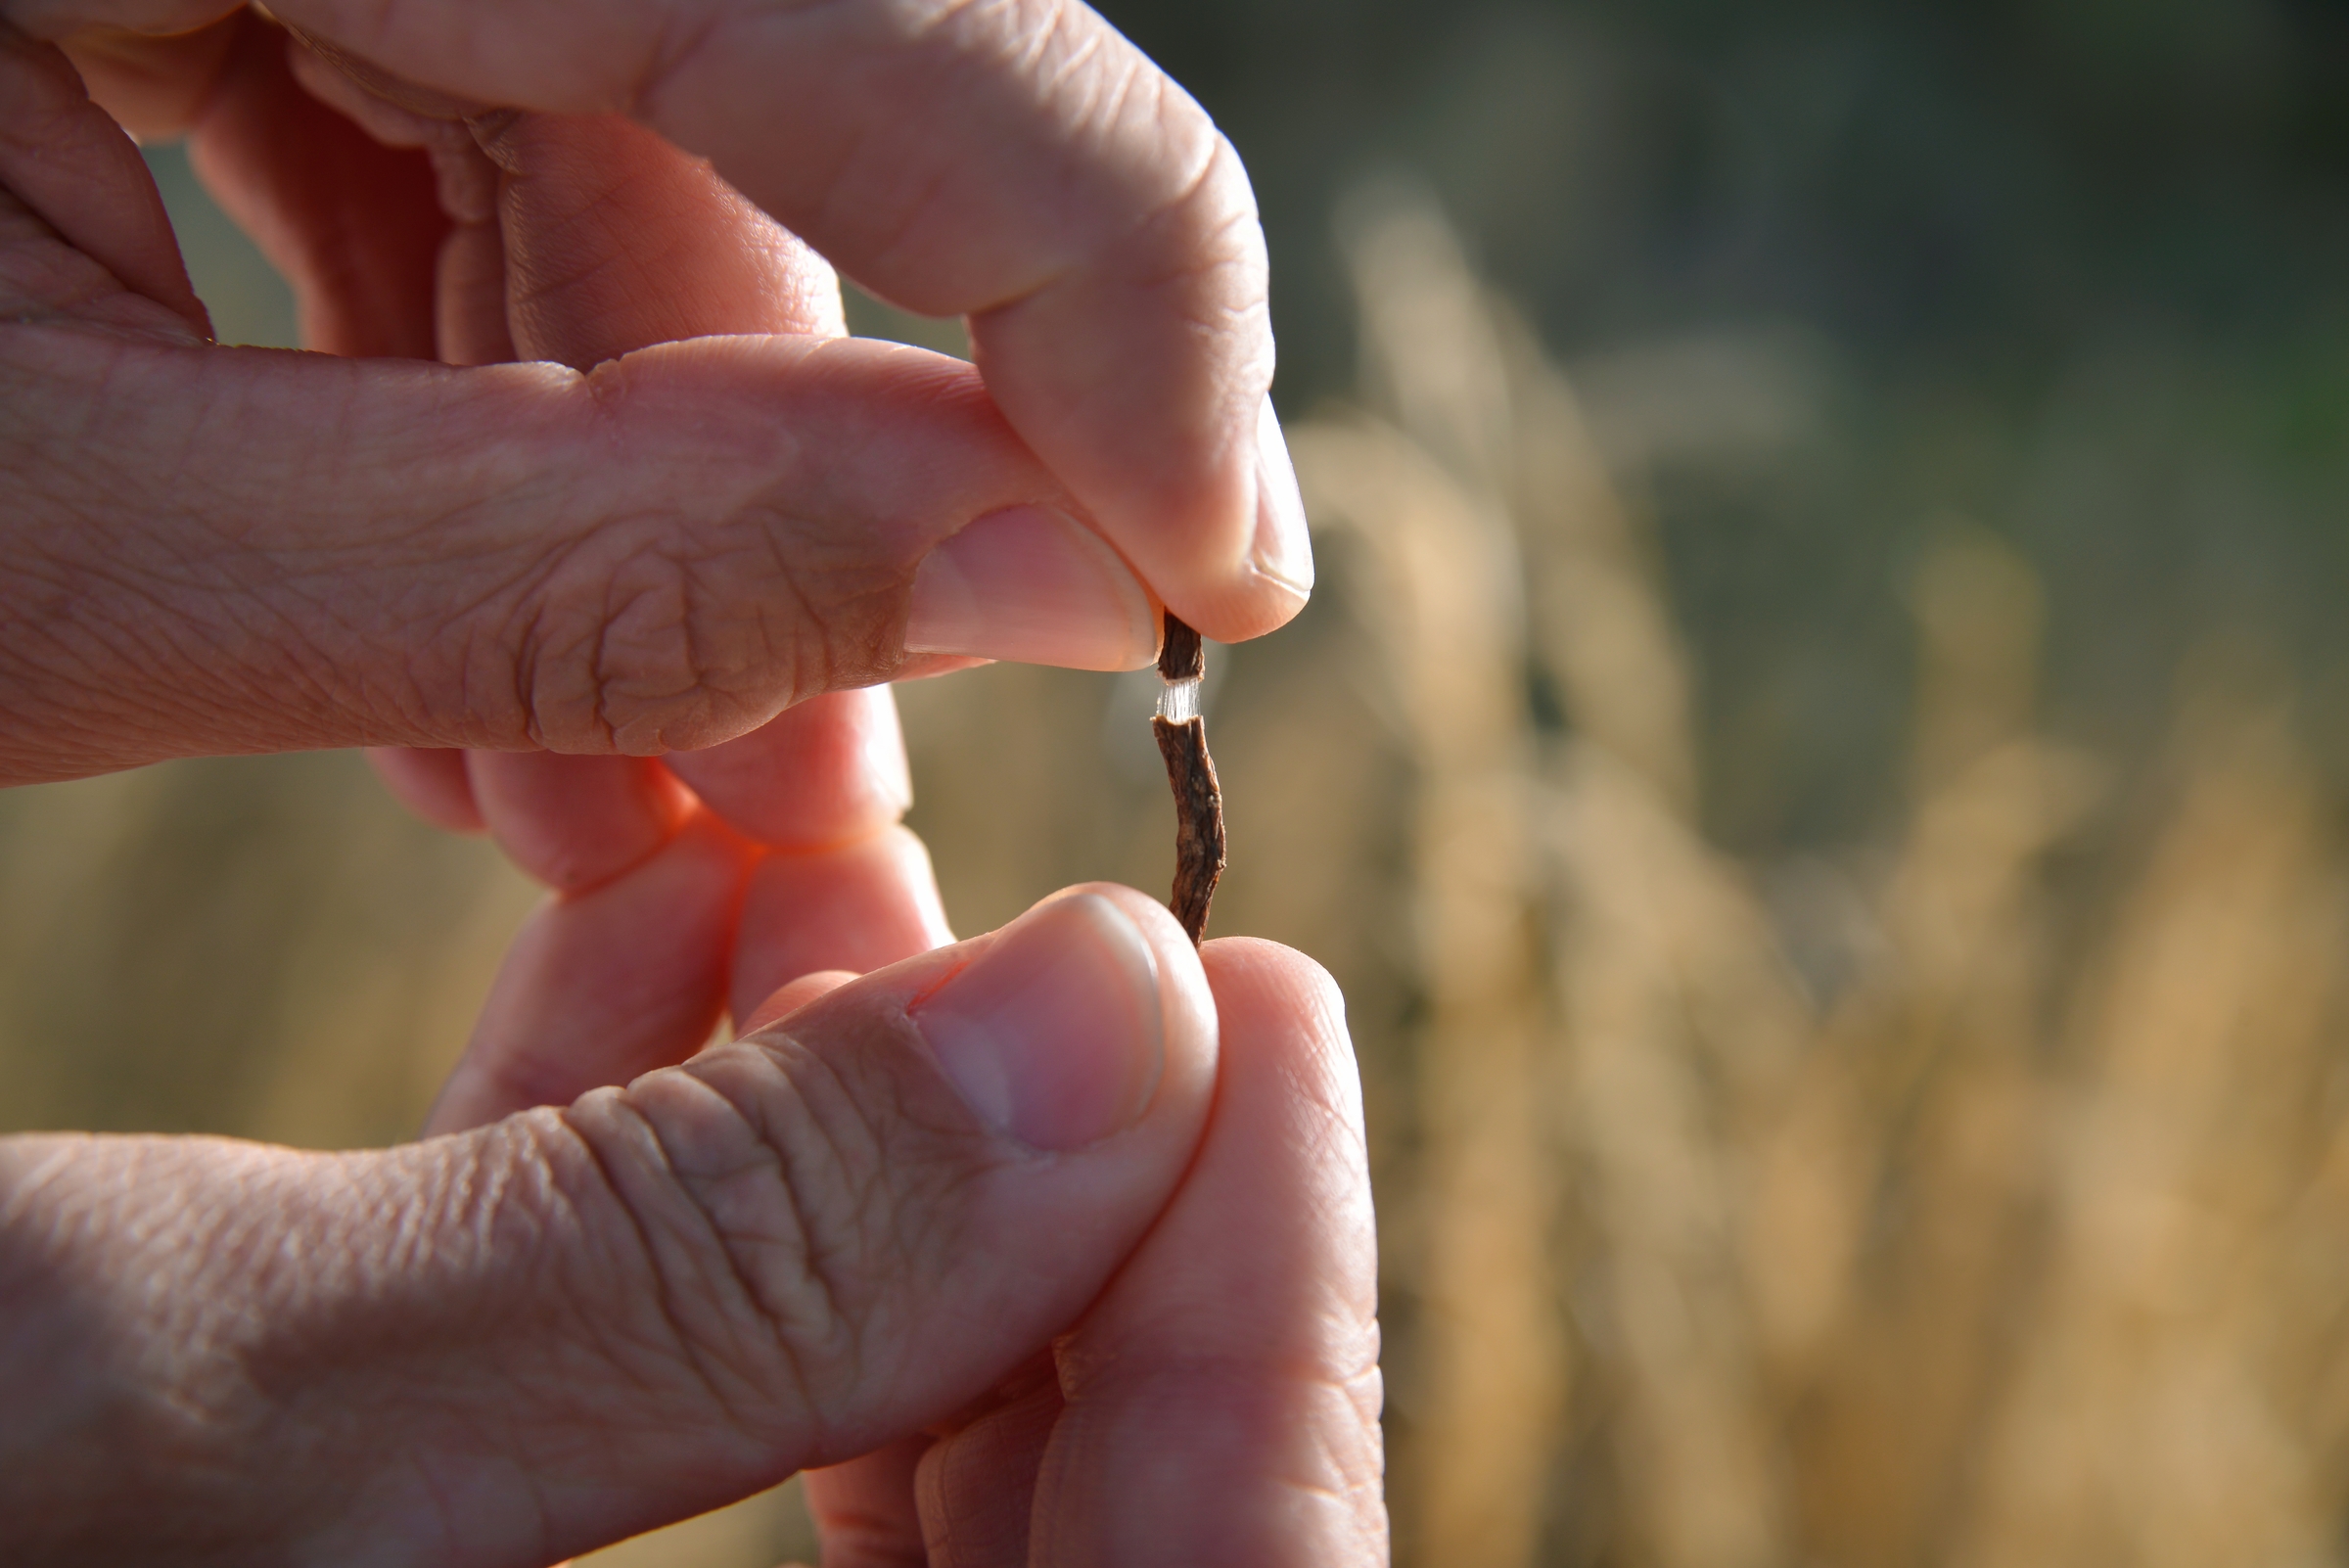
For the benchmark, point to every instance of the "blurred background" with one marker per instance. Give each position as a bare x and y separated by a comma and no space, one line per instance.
1819,761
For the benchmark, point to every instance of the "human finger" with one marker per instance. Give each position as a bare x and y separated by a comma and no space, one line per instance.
599,238
1235,1356
616,238
605,984
576,1324
428,782
843,887
360,228
826,772
575,823
151,84
859,907
1022,165
259,551
82,227
863,1510
225,549
579,238
788,1000
975,1493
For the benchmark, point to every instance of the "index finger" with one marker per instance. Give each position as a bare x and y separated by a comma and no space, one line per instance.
1223,1396
1019,164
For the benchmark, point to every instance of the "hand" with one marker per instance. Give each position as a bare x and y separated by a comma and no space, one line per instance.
857,1232
531,1396
222,549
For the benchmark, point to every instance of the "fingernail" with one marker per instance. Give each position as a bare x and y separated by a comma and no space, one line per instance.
1035,586
1283,549
1055,1034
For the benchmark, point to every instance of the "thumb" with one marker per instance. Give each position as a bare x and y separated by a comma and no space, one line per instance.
508,1346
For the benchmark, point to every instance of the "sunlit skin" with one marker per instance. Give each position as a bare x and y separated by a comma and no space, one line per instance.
553,1327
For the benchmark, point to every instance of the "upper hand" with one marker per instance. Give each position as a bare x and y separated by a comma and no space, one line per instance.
224,549
854,1233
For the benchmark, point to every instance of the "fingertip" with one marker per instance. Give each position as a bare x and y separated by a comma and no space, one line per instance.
789,998
1283,551
601,985
1281,1009
1273,577
576,822
827,771
1268,982
1187,1003
858,906
1141,379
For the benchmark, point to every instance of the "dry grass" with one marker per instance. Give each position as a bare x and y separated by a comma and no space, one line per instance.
2019,1248
2018,1240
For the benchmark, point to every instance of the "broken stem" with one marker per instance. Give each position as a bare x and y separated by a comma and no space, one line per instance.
1181,736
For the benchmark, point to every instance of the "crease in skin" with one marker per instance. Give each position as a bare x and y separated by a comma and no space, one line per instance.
1072,85
743,1386
577,1125
25,1187
684,34
1111,107
44,279
425,103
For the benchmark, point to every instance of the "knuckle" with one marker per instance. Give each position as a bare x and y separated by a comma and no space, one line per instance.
636,642
795,1212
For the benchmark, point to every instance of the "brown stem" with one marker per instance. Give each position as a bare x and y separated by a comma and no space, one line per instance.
1198,798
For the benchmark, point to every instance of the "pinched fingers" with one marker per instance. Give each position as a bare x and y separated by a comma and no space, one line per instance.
1219,1402
670,908
497,1349
224,550
604,985
828,773
233,550
1021,164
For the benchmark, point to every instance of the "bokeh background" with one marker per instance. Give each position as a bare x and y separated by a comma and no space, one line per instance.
1819,761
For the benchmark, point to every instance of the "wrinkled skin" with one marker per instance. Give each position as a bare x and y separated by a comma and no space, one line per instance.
649,577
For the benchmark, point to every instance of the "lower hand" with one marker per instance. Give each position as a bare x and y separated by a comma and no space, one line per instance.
1062,1236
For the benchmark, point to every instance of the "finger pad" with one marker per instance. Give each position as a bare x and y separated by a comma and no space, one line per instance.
430,782
861,907
604,985
574,822
828,770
